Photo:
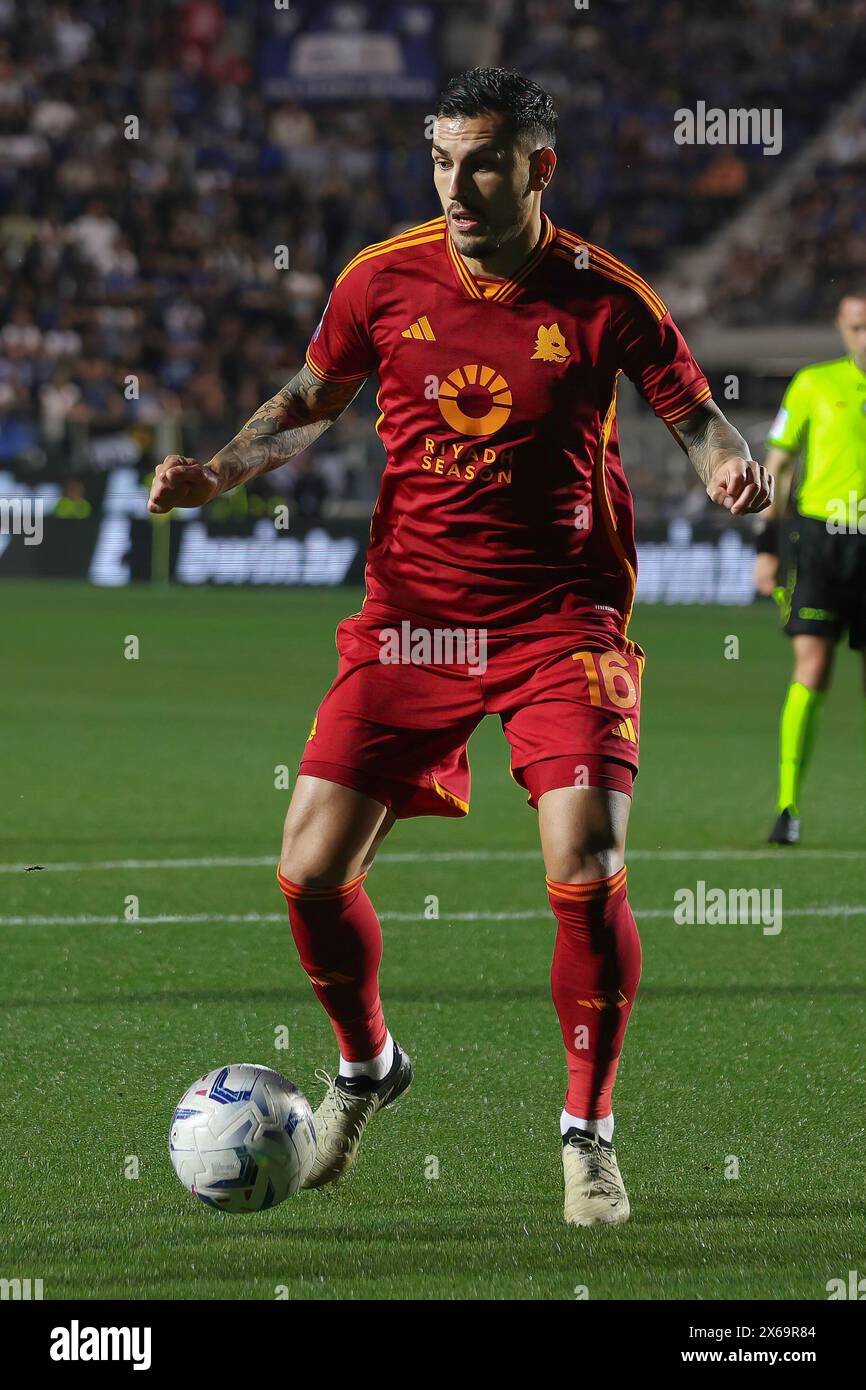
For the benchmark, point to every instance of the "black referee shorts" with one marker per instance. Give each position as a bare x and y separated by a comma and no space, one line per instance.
825,581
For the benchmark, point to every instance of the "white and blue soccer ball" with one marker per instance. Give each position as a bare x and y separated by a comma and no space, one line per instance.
242,1138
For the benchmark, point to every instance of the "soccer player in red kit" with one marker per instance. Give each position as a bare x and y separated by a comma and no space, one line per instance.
500,580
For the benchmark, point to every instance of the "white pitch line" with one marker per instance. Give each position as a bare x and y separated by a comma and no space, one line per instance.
440,857
99,865
229,919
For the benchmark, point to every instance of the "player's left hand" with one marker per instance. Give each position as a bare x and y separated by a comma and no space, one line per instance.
741,485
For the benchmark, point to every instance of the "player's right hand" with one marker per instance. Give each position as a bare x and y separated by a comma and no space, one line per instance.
766,574
181,482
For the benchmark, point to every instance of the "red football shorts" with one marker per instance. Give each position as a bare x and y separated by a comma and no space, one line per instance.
407,696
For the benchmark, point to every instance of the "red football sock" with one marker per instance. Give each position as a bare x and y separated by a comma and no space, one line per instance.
594,979
339,941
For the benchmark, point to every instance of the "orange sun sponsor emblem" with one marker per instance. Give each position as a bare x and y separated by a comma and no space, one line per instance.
475,400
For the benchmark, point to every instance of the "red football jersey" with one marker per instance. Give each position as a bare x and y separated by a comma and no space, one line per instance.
503,501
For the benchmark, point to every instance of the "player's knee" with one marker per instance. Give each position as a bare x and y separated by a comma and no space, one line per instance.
305,860
314,855
586,863
331,834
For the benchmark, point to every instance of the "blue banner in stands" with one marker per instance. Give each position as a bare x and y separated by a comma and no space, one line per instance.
343,50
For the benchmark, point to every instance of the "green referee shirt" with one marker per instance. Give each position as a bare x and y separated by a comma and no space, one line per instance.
823,417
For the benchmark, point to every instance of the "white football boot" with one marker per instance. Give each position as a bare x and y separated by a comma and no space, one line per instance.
349,1104
594,1191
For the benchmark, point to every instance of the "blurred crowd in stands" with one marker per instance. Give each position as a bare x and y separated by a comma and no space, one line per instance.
813,251
137,257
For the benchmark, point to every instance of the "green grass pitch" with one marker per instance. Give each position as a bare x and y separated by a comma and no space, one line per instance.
745,1050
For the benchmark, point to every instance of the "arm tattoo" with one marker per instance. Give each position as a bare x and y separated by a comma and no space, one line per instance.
284,426
708,439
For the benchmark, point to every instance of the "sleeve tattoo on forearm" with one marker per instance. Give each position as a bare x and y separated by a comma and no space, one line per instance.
708,439
284,426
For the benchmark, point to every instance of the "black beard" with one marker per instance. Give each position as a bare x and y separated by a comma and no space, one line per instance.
476,245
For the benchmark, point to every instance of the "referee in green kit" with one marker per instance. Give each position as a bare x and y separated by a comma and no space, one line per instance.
822,590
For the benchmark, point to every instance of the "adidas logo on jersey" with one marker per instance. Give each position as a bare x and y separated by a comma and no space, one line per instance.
625,730
420,330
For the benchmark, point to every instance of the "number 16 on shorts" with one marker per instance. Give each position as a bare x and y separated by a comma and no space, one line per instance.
613,684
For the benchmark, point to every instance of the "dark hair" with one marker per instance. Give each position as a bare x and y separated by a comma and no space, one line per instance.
528,107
